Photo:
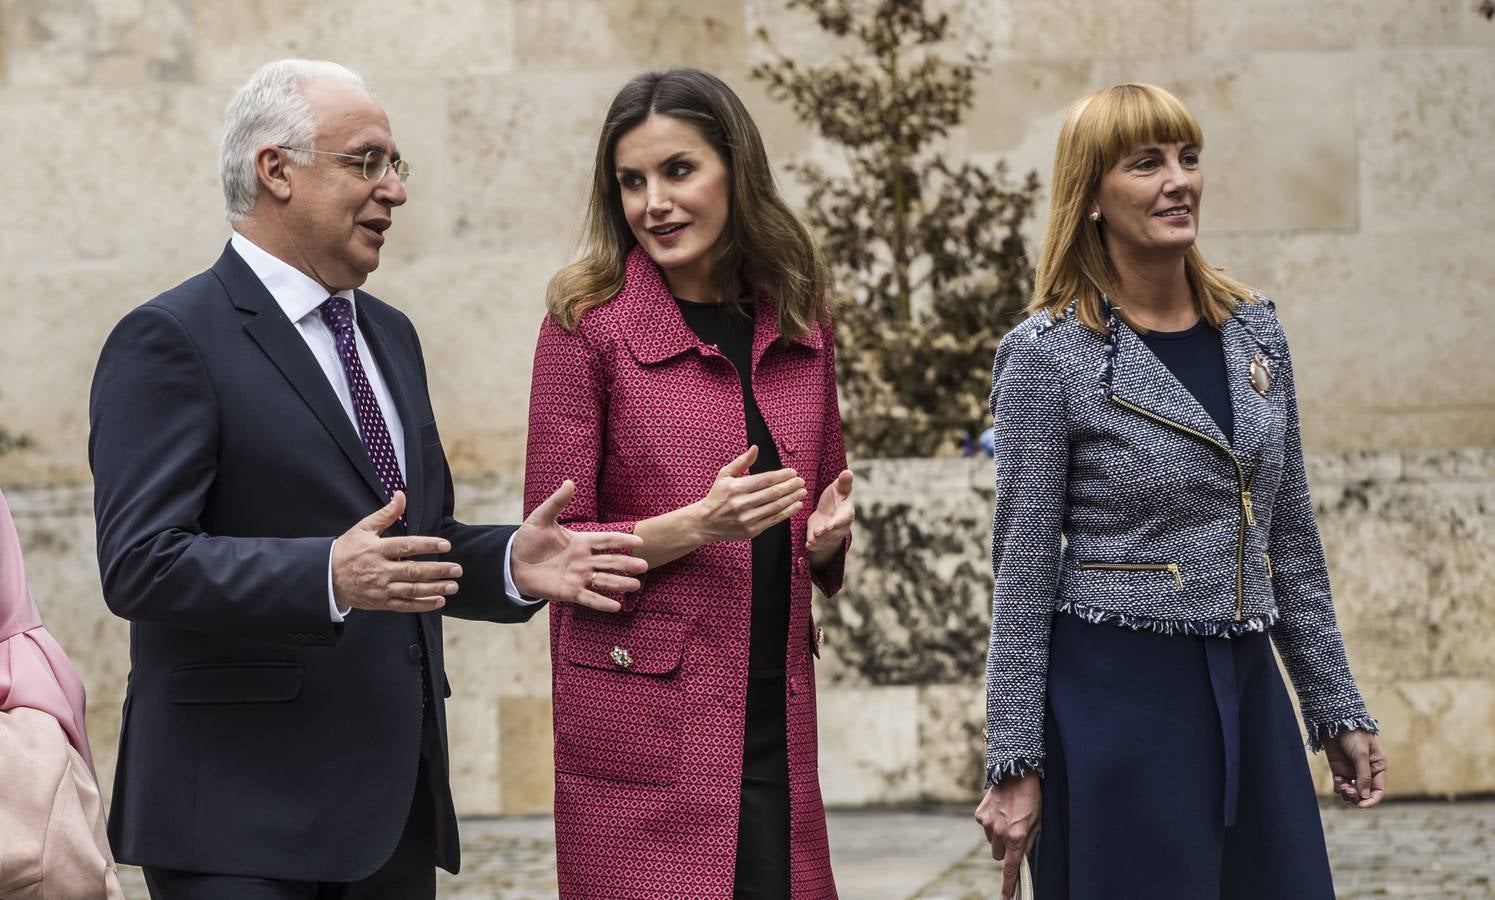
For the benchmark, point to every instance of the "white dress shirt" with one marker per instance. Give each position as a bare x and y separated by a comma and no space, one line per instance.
301,298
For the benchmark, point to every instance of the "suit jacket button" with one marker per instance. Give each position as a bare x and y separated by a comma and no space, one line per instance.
413,653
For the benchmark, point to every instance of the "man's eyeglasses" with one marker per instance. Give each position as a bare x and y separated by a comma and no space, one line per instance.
376,163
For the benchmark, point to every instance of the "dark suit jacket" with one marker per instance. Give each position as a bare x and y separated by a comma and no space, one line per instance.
258,737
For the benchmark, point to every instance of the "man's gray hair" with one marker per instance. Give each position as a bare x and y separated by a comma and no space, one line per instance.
270,108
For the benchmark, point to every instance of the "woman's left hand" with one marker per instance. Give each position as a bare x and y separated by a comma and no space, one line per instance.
830,523
1359,767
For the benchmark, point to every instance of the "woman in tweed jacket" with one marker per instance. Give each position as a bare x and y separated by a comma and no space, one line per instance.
1152,529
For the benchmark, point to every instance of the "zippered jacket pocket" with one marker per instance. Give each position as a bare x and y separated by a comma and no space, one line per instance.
1171,568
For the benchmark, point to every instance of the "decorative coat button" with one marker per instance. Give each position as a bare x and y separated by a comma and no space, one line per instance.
412,653
622,658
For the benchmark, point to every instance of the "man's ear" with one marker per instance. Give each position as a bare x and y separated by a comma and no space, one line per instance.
270,168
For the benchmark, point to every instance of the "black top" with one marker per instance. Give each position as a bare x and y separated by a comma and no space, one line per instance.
732,333
1197,359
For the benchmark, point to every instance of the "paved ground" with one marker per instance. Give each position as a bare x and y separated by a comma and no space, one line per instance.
1422,850
1402,850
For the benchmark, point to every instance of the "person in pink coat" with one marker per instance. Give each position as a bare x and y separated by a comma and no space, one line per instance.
52,841
685,381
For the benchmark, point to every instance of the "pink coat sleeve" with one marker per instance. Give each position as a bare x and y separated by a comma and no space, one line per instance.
832,461
568,430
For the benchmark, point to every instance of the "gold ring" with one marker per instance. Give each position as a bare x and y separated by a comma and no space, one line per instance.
592,582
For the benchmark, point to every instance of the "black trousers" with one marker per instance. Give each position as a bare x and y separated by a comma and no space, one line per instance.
763,823
408,874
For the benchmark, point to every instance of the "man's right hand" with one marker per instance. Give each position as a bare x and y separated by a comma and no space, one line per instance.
373,572
1009,814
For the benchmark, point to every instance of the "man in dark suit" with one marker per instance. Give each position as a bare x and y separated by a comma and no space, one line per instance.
254,432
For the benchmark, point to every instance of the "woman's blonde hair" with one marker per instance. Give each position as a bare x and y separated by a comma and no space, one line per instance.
1099,130
768,250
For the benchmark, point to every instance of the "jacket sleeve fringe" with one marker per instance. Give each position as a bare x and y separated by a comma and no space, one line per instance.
1318,732
1013,768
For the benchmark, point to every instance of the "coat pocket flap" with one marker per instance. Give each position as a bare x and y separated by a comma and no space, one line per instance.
268,682
646,643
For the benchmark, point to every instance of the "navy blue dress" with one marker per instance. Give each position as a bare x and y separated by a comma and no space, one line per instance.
1174,764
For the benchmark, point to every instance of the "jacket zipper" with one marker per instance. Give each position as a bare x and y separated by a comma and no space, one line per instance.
1178,578
1247,515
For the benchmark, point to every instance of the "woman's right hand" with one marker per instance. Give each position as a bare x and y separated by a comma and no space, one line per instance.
739,506
1009,814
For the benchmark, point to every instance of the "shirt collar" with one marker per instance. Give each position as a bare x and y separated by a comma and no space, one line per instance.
295,292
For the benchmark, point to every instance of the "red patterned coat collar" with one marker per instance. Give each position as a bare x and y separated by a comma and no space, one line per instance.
658,331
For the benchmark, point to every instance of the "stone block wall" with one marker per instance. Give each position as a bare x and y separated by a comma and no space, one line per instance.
1348,155
1348,165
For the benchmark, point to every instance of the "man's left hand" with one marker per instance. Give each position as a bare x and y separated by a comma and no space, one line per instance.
551,561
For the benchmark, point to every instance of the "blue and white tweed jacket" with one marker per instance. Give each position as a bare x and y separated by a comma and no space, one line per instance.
1166,525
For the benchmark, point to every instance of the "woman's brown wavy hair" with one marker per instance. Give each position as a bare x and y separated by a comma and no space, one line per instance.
769,251
1099,130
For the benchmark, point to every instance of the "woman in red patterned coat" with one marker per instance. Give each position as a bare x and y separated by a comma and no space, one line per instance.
685,381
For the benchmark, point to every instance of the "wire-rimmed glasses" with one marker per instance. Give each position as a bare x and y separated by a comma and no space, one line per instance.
376,163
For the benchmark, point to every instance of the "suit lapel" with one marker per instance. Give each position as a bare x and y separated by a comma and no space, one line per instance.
277,336
1139,378
400,381
1252,411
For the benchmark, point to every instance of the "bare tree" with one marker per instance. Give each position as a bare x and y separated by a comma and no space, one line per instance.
927,253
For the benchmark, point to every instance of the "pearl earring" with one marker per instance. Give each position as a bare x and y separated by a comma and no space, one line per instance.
1095,216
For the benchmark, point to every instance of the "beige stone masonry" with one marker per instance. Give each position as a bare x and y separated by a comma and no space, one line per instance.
392,41
1424,116
1347,166
1228,25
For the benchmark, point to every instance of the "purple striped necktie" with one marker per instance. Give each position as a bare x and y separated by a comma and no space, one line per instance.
337,312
